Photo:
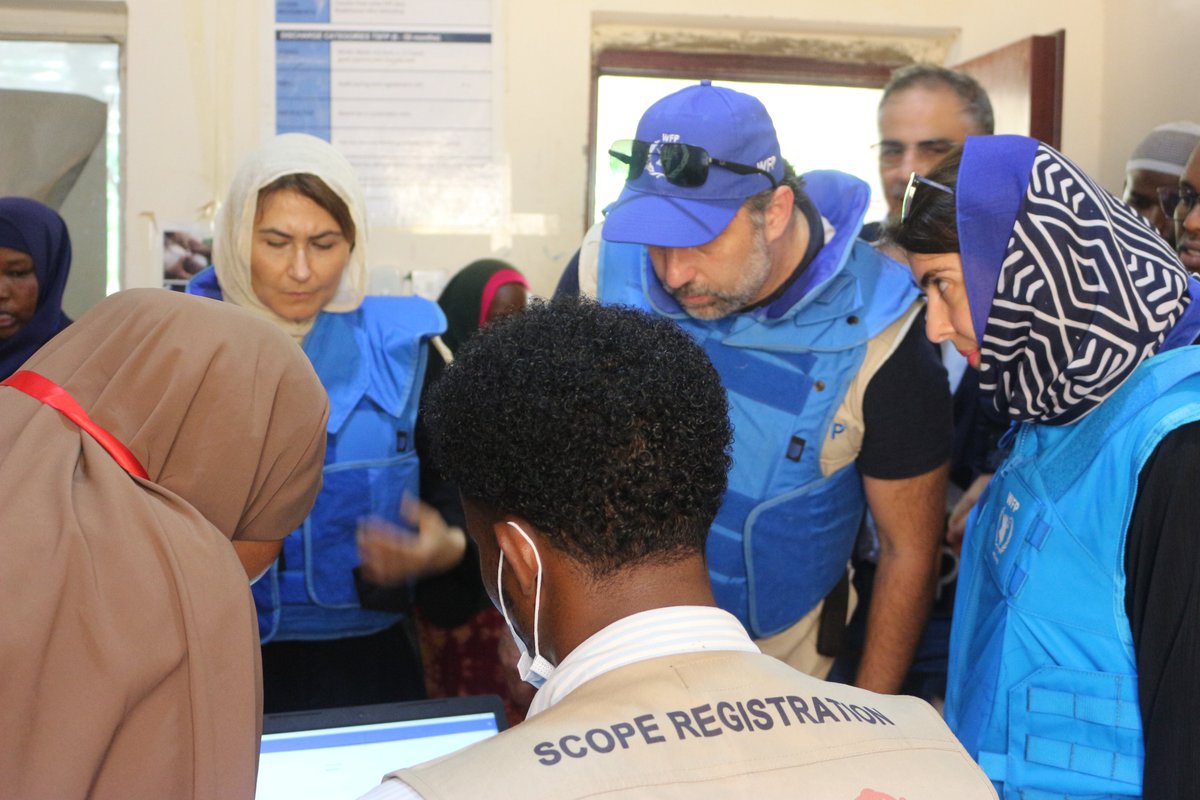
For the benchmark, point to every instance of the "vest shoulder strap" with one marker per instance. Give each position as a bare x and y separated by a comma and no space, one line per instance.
589,262
843,449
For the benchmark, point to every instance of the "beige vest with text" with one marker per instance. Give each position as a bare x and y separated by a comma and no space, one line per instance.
717,724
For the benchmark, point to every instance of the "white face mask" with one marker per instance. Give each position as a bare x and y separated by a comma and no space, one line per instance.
533,670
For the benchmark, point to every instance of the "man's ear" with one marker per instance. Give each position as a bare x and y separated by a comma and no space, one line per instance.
520,557
778,212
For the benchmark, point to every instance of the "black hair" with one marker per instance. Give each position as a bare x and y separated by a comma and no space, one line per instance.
931,225
976,105
605,427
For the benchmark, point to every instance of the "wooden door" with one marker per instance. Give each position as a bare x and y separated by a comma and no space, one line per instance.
1024,81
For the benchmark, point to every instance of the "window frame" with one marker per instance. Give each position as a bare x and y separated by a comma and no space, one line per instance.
84,22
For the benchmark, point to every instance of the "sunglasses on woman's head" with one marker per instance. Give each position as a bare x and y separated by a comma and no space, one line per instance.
910,191
683,165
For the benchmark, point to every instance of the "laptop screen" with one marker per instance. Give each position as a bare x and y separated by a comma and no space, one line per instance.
345,752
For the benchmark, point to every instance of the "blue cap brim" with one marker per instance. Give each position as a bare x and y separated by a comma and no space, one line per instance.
662,221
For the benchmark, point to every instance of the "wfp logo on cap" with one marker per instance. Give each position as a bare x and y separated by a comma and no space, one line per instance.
654,156
767,164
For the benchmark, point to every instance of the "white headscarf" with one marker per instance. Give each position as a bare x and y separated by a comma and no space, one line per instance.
288,154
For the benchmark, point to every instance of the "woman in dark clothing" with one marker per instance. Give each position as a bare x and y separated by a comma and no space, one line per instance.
482,291
35,257
1075,642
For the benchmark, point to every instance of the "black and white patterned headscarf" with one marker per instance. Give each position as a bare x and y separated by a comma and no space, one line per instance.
1071,288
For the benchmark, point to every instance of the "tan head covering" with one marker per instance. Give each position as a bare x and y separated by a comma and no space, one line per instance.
128,642
288,154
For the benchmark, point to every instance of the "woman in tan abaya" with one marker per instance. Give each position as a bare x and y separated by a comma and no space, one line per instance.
129,662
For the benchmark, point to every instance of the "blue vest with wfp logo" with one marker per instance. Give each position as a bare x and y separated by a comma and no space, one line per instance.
371,362
1043,681
785,531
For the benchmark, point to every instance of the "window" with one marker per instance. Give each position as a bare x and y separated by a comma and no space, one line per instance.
825,115
92,209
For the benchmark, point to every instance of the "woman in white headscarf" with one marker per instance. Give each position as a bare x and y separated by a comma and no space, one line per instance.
290,246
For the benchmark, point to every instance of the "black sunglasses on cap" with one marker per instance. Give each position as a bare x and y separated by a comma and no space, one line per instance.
683,165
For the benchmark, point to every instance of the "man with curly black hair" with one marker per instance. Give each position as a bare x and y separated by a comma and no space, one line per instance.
591,445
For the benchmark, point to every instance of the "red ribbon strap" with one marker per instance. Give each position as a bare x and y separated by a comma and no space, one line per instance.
42,388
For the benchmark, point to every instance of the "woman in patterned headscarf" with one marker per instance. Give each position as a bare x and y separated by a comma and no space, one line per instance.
1079,591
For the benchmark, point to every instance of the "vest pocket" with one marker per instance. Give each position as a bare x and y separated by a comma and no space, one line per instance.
796,547
350,490
1015,522
1075,732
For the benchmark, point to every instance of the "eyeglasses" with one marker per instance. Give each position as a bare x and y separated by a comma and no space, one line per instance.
910,191
683,165
1177,200
891,152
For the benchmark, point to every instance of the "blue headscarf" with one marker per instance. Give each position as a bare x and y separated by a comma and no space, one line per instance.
30,227
1069,286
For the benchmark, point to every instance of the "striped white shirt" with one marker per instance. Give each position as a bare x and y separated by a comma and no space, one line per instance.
640,637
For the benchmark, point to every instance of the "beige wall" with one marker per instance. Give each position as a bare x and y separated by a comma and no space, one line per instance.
1151,62
194,104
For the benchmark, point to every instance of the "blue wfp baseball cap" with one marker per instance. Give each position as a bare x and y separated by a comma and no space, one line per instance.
731,126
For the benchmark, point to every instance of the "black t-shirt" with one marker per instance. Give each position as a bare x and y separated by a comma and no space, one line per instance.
907,411
1162,599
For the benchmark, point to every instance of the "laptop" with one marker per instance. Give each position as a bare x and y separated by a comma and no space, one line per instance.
345,752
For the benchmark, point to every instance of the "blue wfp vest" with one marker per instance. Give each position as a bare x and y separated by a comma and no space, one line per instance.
1043,681
785,531
371,362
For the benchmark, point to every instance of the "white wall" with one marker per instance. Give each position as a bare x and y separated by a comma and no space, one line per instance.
195,70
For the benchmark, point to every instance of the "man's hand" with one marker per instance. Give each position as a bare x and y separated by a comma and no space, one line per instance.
957,525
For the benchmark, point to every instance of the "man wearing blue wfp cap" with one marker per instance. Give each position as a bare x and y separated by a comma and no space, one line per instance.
837,404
